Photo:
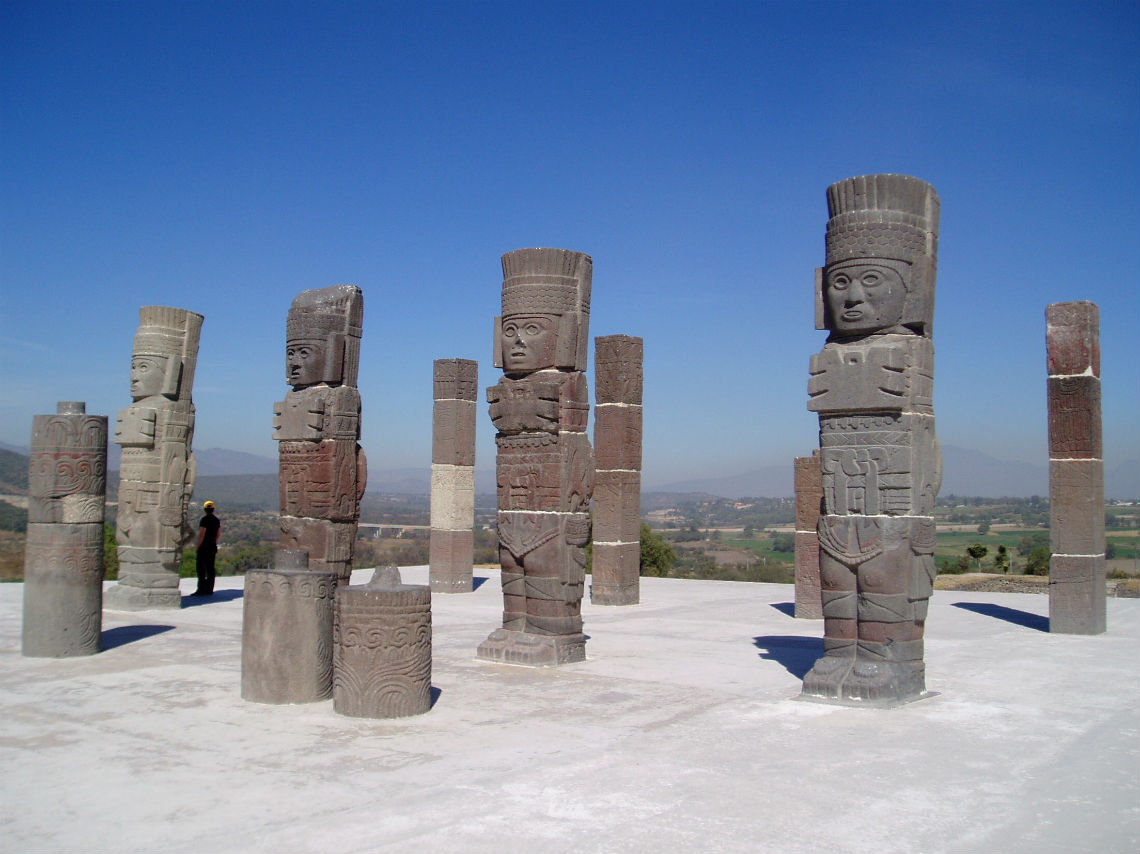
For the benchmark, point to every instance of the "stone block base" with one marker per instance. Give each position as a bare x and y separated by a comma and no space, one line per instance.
809,601
124,598
1077,595
450,557
616,574
510,647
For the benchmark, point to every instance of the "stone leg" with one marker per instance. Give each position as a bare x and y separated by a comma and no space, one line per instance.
840,630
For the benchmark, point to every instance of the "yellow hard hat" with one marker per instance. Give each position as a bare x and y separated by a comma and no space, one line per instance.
209,505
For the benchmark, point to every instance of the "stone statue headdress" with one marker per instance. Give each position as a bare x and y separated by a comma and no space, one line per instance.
554,283
890,218
333,319
173,334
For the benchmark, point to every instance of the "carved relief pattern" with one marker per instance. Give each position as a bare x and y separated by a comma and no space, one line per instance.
63,562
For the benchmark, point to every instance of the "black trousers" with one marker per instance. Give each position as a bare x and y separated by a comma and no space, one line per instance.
206,572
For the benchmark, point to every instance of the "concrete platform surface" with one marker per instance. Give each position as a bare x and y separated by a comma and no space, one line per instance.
679,733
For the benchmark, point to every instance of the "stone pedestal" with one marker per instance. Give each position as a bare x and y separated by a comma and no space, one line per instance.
63,564
287,634
1076,471
809,499
453,476
618,367
382,648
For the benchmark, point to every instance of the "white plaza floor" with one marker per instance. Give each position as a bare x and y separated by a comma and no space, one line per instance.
679,733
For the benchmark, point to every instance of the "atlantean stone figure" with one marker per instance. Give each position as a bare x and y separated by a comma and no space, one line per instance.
63,565
1076,470
382,648
545,462
618,368
157,473
881,464
809,501
453,476
323,469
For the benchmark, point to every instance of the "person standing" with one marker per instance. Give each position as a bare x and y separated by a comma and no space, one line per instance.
209,528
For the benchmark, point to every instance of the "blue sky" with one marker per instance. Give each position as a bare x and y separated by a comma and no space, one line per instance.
224,156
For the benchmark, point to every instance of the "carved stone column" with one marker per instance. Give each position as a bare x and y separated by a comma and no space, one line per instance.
545,462
453,476
809,498
382,648
880,462
1076,470
63,564
618,368
158,470
323,469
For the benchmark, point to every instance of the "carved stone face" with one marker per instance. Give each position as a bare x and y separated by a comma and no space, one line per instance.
528,344
863,297
148,374
304,363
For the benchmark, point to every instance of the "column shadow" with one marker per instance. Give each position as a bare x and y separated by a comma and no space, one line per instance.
786,608
435,692
478,581
796,653
218,596
123,635
1010,615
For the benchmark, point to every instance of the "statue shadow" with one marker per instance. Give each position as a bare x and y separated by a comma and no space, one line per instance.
435,692
1010,615
478,581
219,596
123,635
786,608
796,653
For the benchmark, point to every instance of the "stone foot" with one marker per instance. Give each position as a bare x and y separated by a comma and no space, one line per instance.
885,682
826,677
514,647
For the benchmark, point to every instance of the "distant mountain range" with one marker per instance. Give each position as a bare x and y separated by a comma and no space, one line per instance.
229,473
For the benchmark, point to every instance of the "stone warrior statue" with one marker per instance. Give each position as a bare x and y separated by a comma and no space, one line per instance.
323,469
545,463
157,473
881,464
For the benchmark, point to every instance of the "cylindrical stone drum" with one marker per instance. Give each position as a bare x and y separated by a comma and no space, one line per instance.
63,566
383,648
287,633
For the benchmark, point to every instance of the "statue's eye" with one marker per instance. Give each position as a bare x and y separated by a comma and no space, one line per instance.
840,282
871,278
533,329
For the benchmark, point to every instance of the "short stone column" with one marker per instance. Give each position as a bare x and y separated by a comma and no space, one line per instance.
287,632
618,369
63,564
809,499
453,476
1076,470
382,648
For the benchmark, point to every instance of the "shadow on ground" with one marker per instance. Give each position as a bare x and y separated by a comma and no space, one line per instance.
218,596
1010,615
788,609
478,581
124,635
796,653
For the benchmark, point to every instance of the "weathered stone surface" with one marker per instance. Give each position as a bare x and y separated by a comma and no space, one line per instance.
453,432
157,474
545,465
617,436
452,497
1075,418
809,604
1076,507
617,507
809,503
616,576
619,369
1077,603
456,379
287,636
880,463
323,469
382,648
1073,338
451,561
